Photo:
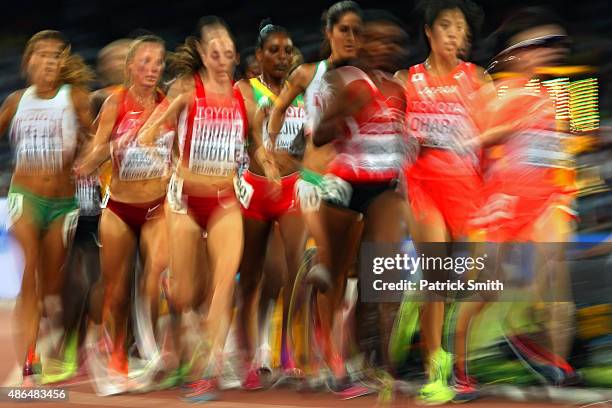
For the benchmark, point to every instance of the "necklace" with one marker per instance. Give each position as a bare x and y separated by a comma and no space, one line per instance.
144,101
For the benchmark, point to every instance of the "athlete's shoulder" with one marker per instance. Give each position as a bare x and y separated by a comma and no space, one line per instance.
244,87
12,100
303,74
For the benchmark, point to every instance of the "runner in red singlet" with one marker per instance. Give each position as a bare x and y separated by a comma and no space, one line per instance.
364,119
133,213
267,188
528,178
444,184
212,129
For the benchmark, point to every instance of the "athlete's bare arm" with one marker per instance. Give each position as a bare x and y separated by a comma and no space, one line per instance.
296,84
100,149
8,109
343,101
80,101
179,96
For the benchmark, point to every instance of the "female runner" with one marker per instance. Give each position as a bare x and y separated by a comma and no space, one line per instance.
444,184
528,178
343,27
46,121
266,201
212,129
134,211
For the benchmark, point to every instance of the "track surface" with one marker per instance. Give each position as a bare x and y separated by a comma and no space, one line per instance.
83,395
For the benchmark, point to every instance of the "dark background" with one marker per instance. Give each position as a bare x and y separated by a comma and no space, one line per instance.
91,24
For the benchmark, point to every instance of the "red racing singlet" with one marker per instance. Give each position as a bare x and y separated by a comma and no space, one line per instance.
437,114
213,132
373,146
131,160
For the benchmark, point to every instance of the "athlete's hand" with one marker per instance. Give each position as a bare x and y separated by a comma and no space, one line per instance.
267,162
147,136
84,167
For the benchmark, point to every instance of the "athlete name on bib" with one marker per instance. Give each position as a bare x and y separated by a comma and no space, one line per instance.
217,140
441,131
40,148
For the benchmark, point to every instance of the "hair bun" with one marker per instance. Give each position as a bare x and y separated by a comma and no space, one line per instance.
265,23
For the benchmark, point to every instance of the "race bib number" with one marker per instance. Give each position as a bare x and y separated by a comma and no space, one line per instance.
15,208
336,190
144,163
244,191
309,196
175,195
217,140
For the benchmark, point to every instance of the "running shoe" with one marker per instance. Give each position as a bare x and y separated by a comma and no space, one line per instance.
202,390
252,381
466,389
435,393
55,370
174,378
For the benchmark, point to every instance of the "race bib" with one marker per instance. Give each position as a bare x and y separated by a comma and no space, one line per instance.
175,195
546,148
15,208
294,120
217,139
440,131
88,195
144,163
244,191
39,157
309,196
336,190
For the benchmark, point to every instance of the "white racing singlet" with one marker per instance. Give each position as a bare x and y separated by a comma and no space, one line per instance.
44,132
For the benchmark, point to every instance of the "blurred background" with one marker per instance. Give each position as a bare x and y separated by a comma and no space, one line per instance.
90,25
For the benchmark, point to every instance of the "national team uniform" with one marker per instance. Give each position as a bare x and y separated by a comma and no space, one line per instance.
443,178
253,189
212,136
530,171
373,148
133,162
44,134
